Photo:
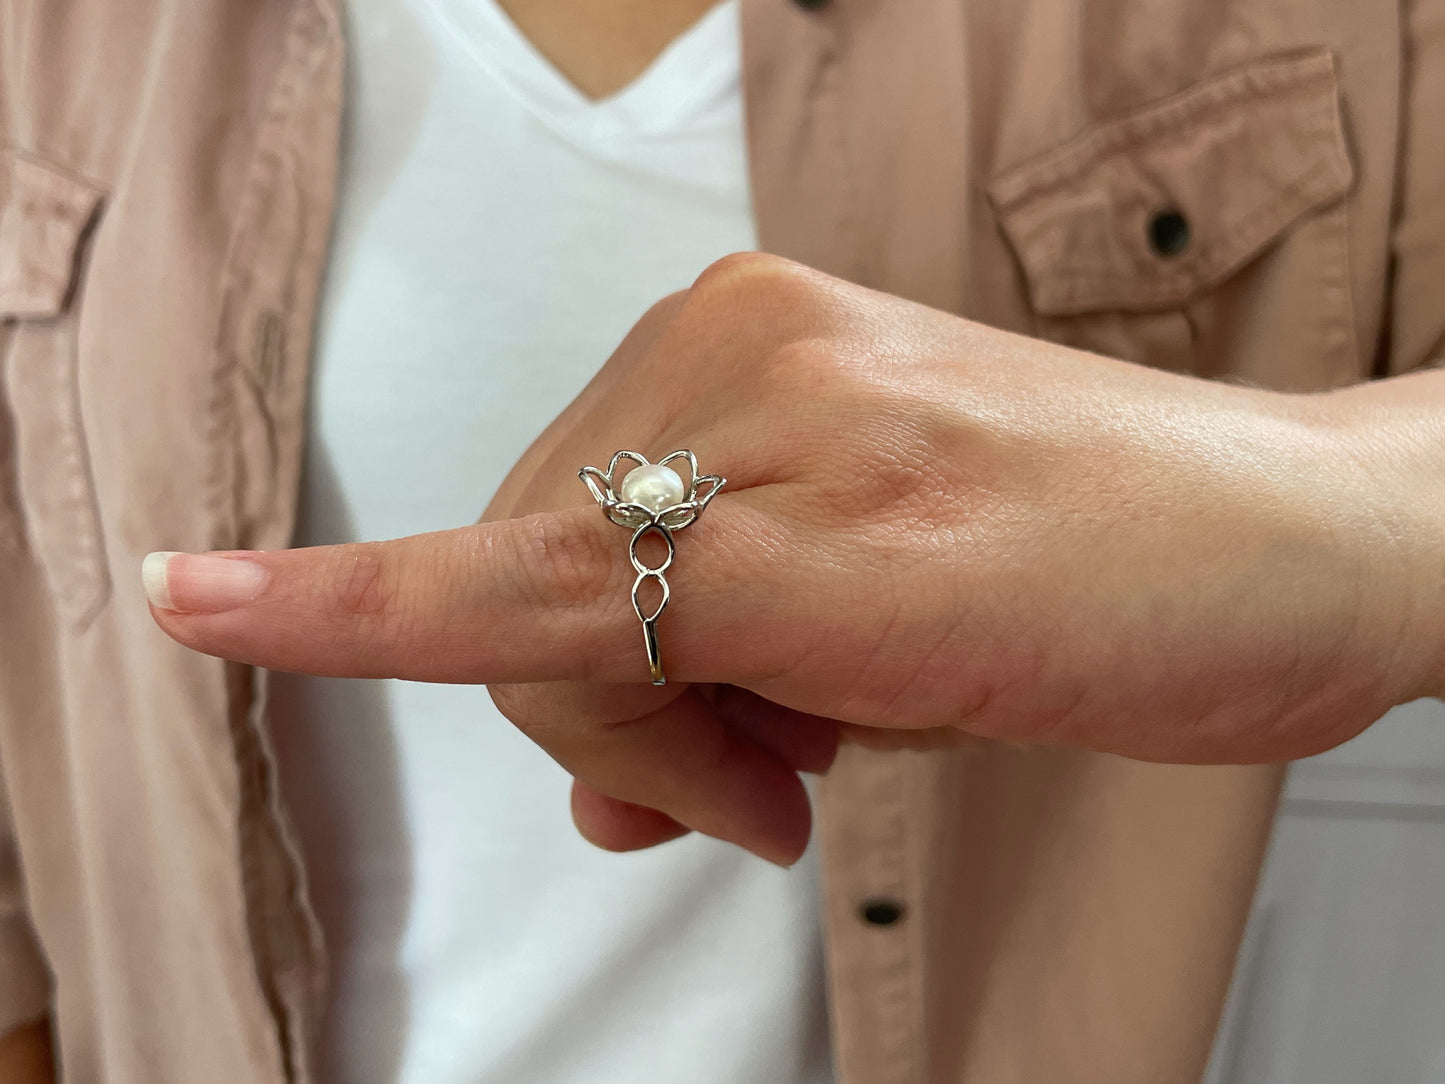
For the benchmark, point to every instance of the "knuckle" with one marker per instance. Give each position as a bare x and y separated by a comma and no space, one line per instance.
738,312
556,564
374,599
737,268
363,586
750,282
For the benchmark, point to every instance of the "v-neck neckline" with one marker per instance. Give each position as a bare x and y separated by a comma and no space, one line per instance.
693,71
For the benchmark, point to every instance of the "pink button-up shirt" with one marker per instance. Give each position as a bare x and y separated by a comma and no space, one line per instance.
1243,189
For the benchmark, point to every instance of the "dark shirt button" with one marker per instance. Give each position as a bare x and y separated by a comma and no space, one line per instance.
881,912
1169,233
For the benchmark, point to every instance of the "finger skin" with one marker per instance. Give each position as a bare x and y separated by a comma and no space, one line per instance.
615,825
508,603
544,597
806,743
801,742
684,761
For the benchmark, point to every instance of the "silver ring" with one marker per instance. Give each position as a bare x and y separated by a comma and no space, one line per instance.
653,501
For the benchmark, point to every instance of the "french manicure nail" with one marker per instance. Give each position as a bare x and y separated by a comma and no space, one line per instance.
200,582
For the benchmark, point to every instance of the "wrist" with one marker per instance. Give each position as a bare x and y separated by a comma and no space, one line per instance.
1393,439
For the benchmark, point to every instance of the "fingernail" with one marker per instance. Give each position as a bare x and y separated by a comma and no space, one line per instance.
200,582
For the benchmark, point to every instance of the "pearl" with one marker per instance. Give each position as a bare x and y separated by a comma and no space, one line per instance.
653,487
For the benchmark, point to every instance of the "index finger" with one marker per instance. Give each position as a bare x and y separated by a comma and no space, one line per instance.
543,597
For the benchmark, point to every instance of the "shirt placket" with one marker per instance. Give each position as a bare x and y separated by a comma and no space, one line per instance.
270,287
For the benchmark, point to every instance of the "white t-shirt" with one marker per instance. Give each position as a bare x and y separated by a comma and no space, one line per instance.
497,236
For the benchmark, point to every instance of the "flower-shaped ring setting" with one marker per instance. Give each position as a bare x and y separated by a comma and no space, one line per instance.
651,498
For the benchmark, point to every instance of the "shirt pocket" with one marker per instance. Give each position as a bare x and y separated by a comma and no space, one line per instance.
1202,232
47,494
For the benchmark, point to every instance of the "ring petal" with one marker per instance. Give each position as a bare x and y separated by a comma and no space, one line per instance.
717,483
598,484
640,460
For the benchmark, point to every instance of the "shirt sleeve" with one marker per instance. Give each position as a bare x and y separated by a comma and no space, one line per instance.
1417,287
24,976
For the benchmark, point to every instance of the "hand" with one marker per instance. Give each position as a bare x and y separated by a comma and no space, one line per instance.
928,525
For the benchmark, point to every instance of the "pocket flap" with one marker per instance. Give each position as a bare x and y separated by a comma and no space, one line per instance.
1145,210
44,213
